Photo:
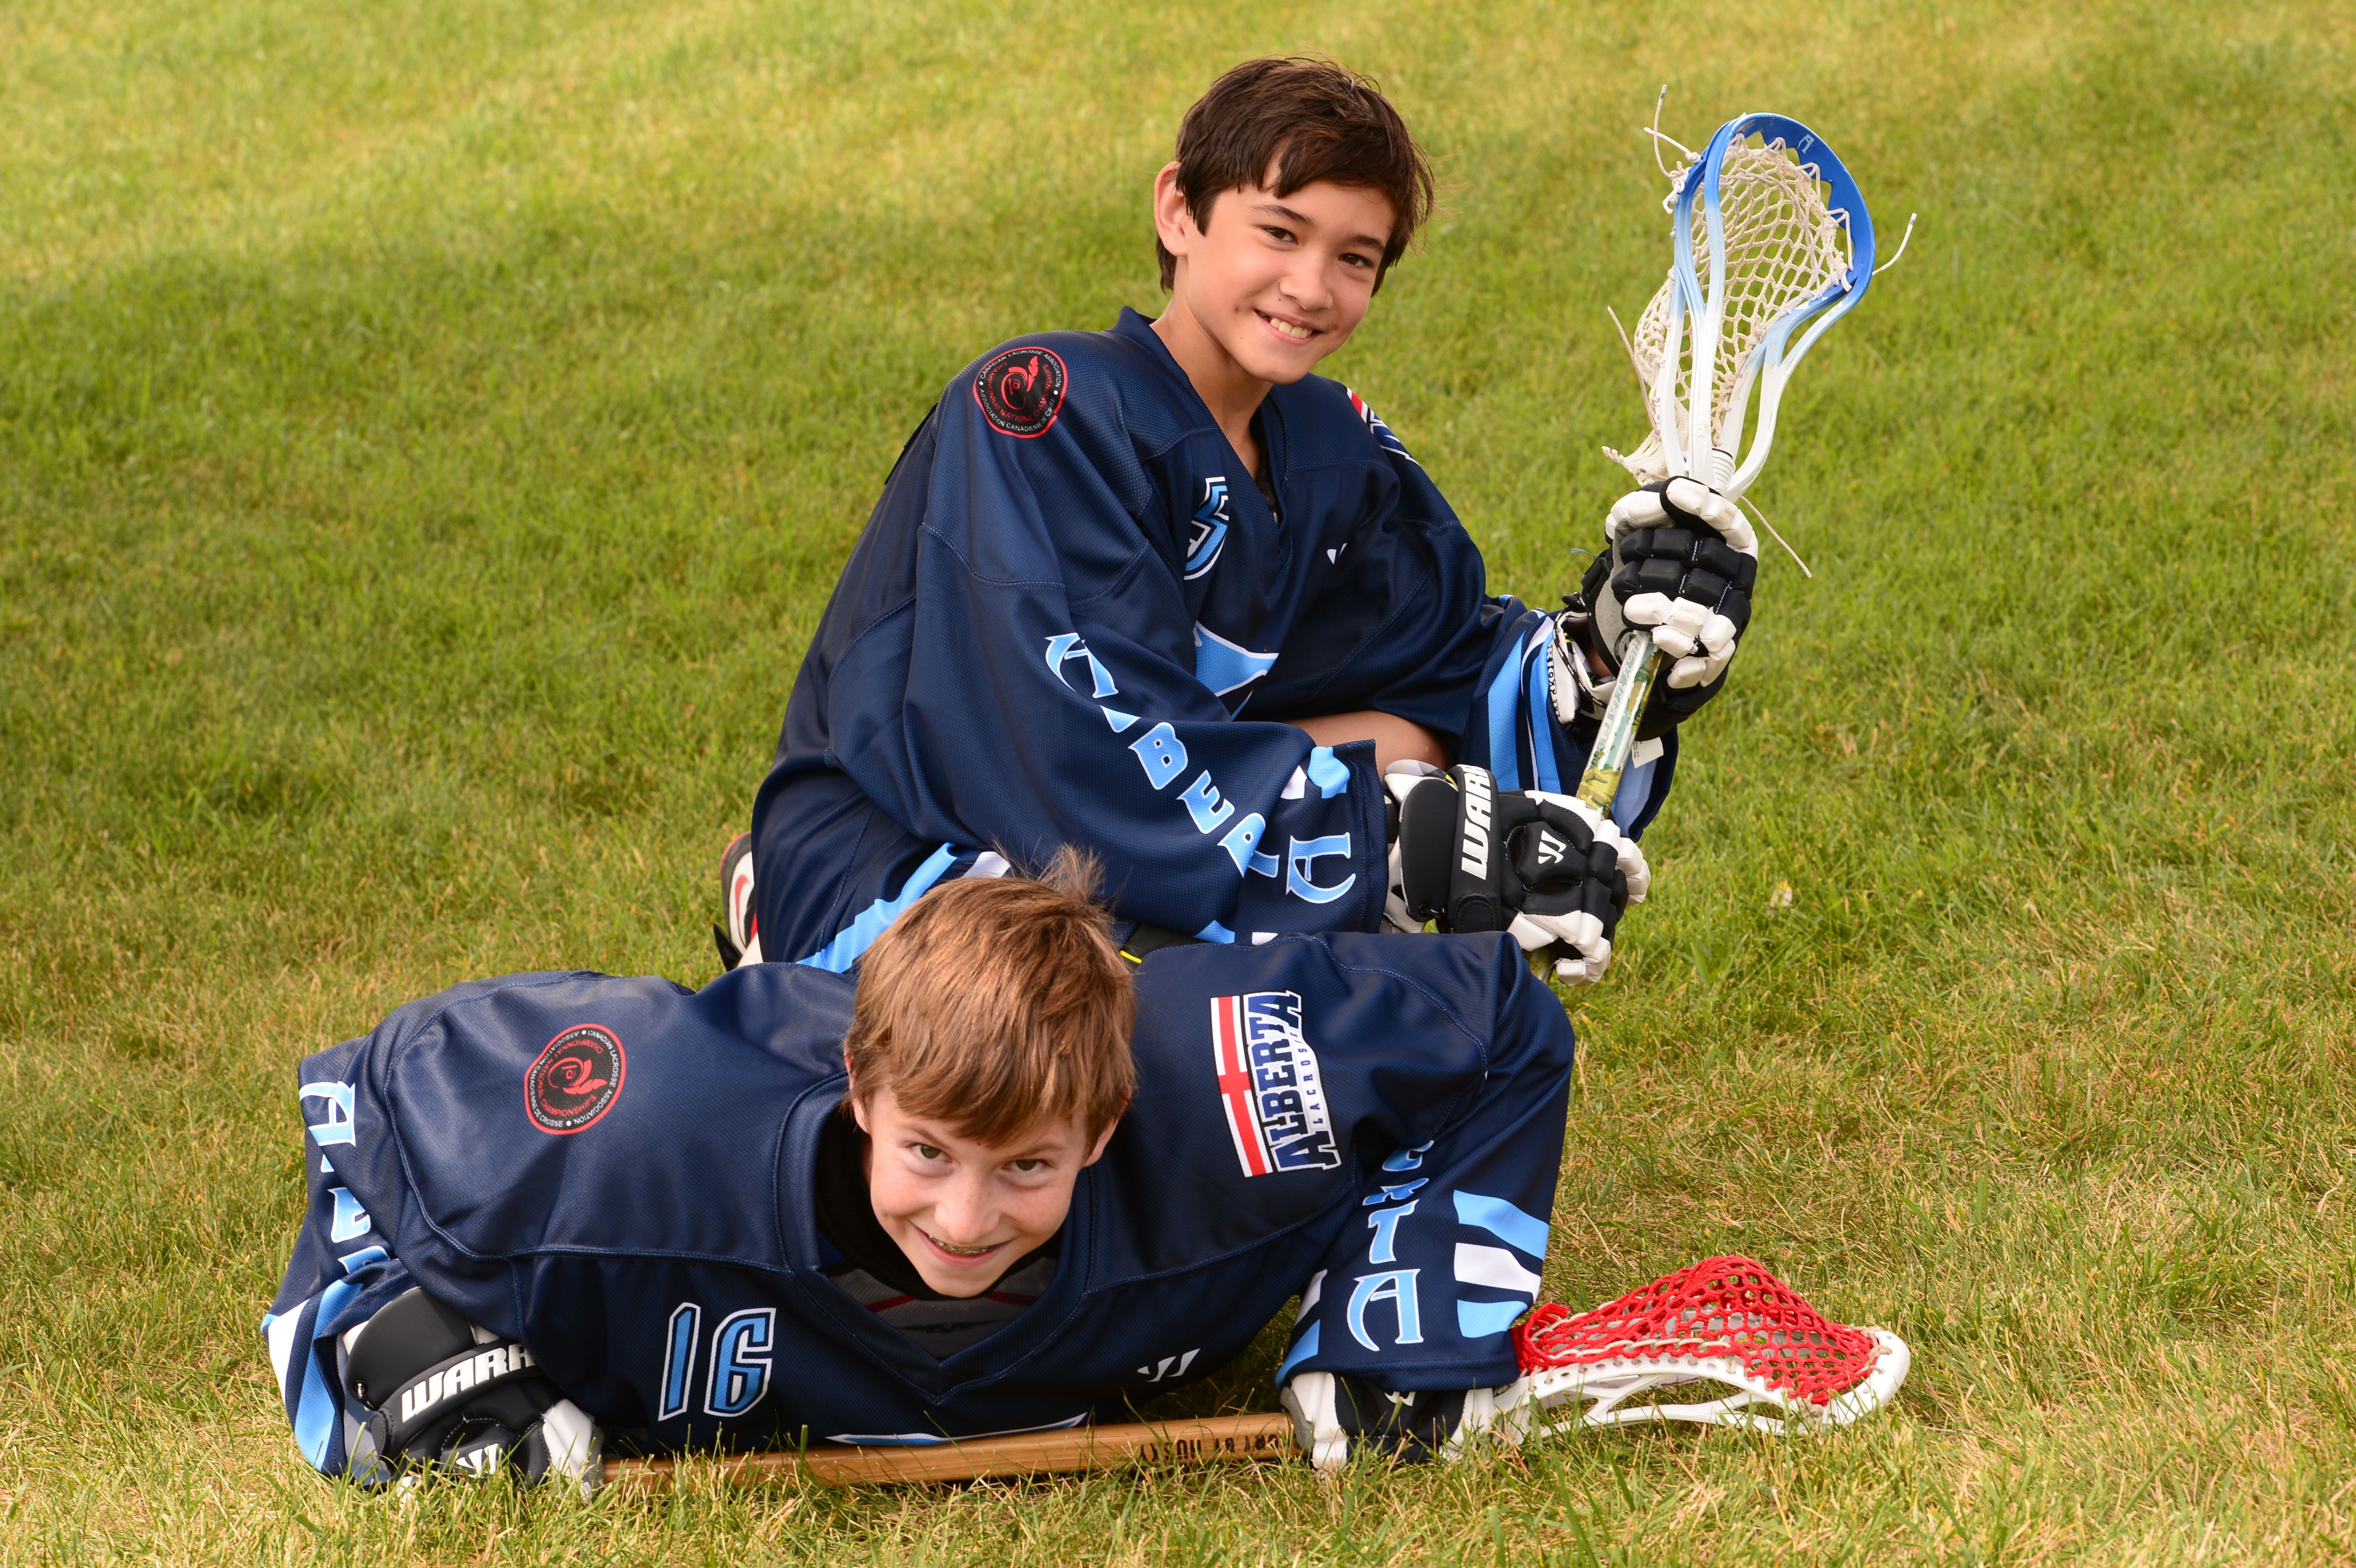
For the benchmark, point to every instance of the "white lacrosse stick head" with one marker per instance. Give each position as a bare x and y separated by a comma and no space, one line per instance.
1780,1366
1774,201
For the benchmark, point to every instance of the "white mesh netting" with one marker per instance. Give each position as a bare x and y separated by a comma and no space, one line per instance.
1783,247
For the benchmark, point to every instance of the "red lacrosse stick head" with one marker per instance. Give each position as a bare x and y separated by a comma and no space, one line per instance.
1719,1307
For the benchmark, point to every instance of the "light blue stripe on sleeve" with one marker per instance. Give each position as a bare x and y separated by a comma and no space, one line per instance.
316,1409
1302,1352
1542,721
1635,789
852,942
1476,1320
1505,702
1503,1220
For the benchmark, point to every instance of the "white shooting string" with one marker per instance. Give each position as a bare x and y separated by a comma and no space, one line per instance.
1901,245
1780,540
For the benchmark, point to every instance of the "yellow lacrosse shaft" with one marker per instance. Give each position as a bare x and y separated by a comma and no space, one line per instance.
1640,663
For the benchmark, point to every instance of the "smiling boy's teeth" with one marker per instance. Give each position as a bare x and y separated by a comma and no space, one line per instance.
1287,327
962,1252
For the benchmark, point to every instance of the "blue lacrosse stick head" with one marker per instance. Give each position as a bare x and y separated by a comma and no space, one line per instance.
1846,202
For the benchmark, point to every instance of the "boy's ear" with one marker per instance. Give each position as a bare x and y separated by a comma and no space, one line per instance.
851,1094
1105,1136
1173,220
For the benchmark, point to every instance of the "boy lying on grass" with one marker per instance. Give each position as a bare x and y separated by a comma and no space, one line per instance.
1010,1177
1162,593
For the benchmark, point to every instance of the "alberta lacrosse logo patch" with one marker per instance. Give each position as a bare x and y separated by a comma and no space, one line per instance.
574,1079
1269,1084
1021,391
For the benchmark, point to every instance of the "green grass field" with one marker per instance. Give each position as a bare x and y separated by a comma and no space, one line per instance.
428,434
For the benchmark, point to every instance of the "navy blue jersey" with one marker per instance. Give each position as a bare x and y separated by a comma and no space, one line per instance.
619,1173
1074,619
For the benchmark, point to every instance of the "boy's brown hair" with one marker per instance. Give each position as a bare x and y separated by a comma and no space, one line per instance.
996,1004
1315,120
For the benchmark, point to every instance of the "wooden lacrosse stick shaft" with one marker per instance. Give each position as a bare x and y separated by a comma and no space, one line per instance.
1211,1440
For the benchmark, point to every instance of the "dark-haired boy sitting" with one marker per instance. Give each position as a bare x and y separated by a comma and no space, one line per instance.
1162,592
997,1183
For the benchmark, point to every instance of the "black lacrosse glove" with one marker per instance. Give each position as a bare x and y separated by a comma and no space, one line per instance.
1338,1415
438,1397
1679,560
1548,870
1411,1428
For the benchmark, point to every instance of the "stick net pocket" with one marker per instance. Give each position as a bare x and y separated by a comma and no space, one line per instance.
1783,247
1726,1320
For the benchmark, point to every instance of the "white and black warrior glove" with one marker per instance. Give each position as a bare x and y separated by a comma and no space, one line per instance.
1549,870
1681,560
442,1393
1335,1415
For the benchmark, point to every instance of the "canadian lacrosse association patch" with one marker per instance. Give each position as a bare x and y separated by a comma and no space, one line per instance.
1269,1084
574,1079
1021,391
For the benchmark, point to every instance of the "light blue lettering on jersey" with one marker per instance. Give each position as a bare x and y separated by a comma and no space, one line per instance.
350,1220
1297,878
1385,1223
1202,799
1162,752
679,1359
1242,842
1069,647
1396,1287
337,1127
740,1373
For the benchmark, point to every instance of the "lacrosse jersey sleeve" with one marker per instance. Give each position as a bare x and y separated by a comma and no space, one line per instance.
1074,619
623,1174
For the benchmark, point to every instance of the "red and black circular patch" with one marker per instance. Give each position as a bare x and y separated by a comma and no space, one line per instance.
574,1079
1021,391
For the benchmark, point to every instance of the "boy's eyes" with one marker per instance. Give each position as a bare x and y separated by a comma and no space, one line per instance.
928,1153
1286,236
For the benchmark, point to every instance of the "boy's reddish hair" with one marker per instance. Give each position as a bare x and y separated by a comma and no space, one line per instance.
1313,120
996,1004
